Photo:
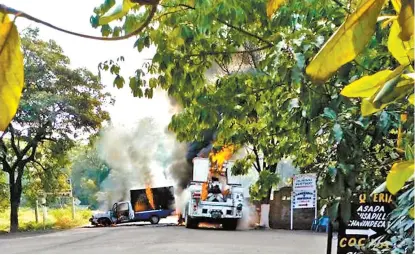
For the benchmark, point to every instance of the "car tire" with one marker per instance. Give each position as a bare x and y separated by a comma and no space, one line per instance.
189,222
104,222
230,225
154,219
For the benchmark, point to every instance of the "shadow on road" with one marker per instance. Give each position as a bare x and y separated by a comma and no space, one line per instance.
135,224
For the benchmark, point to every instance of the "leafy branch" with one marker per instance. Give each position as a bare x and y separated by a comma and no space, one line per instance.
214,53
6,9
270,44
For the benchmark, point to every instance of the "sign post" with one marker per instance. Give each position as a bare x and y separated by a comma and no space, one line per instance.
369,217
304,194
292,210
37,211
73,199
44,210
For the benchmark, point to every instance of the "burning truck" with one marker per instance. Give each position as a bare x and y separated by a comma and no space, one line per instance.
214,196
149,204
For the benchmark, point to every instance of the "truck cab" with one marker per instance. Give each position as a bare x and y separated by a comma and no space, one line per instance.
120,212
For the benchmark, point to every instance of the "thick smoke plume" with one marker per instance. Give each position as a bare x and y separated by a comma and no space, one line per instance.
137,158
142,153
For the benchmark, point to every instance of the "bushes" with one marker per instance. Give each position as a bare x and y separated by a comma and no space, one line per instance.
33,226
56,219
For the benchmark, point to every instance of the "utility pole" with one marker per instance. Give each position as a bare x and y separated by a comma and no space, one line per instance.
73,199
37,211
44,210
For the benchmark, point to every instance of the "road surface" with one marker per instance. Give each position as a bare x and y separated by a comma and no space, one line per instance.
164,238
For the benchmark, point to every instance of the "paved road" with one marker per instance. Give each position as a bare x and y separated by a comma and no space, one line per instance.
165,238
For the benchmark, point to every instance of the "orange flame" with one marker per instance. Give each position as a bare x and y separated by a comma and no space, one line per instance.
208,225
138,207
219,158
150,197
204,194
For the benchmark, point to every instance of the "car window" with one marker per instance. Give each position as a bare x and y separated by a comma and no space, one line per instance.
122,207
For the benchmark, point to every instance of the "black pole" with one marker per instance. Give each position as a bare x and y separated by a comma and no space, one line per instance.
329,237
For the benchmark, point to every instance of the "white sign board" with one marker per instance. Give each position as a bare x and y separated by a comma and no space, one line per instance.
304,199
304,191
200,169
304,194
304,182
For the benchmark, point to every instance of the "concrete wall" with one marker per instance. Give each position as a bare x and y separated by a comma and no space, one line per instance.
280,213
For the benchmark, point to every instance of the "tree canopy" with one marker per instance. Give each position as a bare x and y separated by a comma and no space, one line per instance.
308,60
328,83
58,105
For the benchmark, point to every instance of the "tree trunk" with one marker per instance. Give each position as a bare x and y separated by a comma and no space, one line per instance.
14,217
265,208
15,194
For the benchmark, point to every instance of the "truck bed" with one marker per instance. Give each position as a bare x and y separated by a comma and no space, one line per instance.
145,215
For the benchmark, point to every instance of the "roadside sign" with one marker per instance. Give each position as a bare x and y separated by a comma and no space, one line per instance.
65,193
304,199
304,182
369,218
304,193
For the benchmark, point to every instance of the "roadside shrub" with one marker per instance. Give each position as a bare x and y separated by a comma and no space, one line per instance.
59,218
33,226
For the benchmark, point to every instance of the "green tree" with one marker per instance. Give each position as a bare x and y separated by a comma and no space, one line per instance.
318,126
58,105
88,172
345,128
4,194
47,174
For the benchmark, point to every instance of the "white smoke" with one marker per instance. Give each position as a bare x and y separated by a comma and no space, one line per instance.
139,154
250,216
181,199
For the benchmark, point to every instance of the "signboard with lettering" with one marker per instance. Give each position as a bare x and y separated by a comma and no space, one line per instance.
65,193
304,199
304,193
369,218
304,182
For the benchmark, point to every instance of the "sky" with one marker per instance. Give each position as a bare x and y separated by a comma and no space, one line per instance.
74,15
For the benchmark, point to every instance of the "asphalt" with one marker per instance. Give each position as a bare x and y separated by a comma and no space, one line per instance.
164,238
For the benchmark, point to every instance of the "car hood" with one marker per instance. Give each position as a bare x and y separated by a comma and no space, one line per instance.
102,214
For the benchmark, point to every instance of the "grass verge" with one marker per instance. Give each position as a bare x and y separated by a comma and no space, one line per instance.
56,219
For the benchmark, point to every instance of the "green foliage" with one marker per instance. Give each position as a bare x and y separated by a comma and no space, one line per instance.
262,188
400,231
260,97
88,172
4,192
58,106
60,218
48,174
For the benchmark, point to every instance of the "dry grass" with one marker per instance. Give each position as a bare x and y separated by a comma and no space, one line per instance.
56,219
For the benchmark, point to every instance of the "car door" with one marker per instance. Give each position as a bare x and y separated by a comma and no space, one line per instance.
123,212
